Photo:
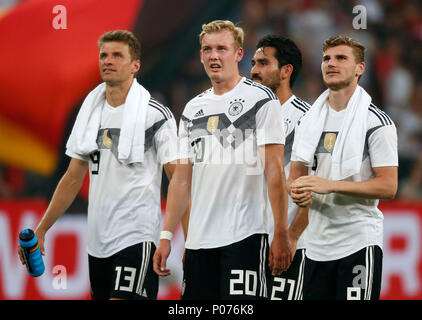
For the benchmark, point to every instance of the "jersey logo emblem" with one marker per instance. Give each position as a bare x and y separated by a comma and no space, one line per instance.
199,113
107,141
329,141
212,124
236,107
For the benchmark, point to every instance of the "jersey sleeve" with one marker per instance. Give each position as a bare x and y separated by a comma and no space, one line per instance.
76,156
270,124
382,144
294,157
166,141
184,144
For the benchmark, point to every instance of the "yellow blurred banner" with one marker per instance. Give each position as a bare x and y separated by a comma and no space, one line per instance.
20,148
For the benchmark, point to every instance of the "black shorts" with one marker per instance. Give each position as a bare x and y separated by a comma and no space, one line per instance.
236,271
128,274
289,285
355,277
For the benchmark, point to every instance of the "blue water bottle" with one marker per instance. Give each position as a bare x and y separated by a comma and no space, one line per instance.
31,252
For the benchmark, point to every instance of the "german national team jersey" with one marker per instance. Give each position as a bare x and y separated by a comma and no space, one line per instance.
292,110
124,205
340,225
221,135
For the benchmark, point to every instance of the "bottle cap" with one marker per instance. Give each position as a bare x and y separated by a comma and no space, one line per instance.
26,234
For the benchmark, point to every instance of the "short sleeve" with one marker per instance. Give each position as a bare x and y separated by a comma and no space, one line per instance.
382,144
270,124
184,144
294,156
76,156
166,141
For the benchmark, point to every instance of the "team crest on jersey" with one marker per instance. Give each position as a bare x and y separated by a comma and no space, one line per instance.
212,124
236,107
107,141
329,141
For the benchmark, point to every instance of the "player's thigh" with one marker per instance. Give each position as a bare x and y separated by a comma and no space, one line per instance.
289,285
201,275
244,269
100,277
319,281
359,275
134,277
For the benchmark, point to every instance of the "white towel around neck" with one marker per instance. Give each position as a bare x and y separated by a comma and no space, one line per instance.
83,138
348,149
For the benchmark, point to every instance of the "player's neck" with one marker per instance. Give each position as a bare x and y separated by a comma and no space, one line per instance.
116,94
221,87
283,93
339,99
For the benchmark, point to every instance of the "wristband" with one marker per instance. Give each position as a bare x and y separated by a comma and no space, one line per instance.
166,235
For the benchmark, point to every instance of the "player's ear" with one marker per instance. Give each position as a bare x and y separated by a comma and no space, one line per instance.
239,54
360,68
136,66
286,71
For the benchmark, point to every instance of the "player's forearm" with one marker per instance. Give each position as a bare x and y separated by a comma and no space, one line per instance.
277,194
299,223
177,202
296,170
185,220
376,188
273,156
63,196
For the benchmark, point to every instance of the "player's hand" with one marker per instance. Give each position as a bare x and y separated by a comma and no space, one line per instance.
280,255
40,234
301,198
313,184
160,258
20,254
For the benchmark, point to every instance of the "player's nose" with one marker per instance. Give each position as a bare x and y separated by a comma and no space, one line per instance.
214,54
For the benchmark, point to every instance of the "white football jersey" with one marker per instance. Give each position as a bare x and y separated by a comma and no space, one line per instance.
340,225
124,206
221,135
292,110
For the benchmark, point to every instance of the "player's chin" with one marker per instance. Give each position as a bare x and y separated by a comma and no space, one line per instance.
107,77
336,85
215,77
111,81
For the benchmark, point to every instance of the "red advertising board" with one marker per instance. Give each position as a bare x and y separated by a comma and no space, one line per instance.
66,275
402,264
66,261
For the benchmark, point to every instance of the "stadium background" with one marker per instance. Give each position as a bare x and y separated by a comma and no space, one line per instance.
46,72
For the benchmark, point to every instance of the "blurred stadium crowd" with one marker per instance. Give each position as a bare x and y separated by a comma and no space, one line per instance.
393,76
